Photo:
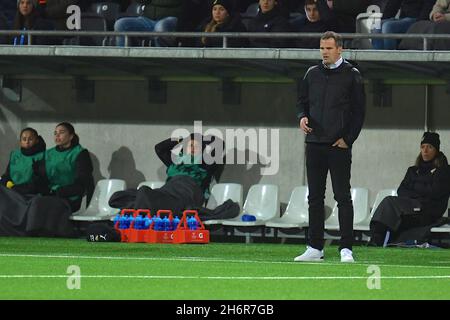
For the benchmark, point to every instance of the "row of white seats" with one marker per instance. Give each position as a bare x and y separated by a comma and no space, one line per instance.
262,201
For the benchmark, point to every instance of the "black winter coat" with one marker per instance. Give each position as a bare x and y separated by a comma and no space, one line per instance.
334,102
233,24
419,9
429,185
272,21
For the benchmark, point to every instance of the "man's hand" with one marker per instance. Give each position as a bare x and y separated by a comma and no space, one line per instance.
438,17
304,125
340,144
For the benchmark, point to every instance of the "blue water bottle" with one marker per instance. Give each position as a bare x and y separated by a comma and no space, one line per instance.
175,222
157,224
192,223
129,220
138,222
116,218
147,223
122,222
22,38
166,224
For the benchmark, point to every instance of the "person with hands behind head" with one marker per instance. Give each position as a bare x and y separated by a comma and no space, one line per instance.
191,165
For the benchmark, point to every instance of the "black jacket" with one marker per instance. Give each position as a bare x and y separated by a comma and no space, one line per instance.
272,21
346,12
430,185
334,102
419,9
233,24
327,22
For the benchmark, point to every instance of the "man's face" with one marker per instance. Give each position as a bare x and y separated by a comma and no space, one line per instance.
312,13
329,51
267,5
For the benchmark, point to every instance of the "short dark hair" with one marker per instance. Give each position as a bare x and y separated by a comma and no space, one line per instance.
309,2
30,130
333,35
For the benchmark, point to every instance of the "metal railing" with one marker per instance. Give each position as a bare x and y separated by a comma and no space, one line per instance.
224,35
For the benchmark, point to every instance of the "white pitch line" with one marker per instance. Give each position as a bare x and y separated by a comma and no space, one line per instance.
203,259
219,277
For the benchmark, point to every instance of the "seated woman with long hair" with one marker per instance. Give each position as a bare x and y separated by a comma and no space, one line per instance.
222,19
422,198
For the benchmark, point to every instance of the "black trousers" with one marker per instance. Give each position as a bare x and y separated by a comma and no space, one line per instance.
321,158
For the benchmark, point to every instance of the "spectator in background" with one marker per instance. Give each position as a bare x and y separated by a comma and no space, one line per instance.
346,12
29,18
440,11
158,16
270,18
222,19
422,197
19,175
439,23
319,19
410,12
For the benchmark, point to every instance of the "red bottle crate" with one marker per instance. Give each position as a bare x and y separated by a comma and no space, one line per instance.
124,233
184,235
155,236
138,235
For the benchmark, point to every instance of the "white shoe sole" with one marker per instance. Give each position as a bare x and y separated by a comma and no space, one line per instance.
309,260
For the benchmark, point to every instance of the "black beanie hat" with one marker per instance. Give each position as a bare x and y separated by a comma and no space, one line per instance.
227,4
431,138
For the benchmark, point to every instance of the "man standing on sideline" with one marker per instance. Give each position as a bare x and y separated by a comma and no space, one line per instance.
331,110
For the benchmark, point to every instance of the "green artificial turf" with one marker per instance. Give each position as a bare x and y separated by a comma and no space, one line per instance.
37,268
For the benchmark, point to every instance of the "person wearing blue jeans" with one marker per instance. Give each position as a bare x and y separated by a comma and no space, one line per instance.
142,23
391,25
410,12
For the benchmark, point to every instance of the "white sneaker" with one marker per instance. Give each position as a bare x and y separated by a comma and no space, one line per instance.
310,254
347,255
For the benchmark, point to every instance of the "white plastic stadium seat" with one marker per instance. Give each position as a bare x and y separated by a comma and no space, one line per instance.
262,202
364,24
220,193
296,214
152,184
446,227
82,206
365,225
99,208
360,198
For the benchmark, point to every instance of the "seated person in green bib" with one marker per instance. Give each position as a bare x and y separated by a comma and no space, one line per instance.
19,175
189,174
24,211
67,168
